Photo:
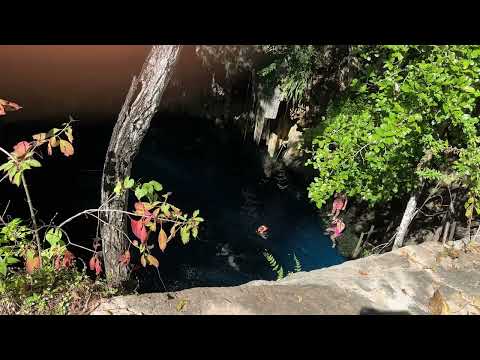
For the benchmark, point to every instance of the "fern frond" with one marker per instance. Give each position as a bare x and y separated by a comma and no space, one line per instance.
298,266
277,268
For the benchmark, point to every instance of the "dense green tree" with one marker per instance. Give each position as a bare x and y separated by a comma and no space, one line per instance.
409,119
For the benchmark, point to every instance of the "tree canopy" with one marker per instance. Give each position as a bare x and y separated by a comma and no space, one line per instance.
409,117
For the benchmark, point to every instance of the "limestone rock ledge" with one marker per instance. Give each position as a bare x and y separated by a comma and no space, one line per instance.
399,282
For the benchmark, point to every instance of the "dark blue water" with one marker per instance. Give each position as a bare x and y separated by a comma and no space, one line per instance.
217,172
206,168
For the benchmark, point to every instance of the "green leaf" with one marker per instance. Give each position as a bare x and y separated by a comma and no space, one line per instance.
54,131
54,236
11,173
33,163
118,188
3,268
195,213
7,166
156,185
17,178
140,192
195,232
128,183
165,209
12,260
69,132
185,234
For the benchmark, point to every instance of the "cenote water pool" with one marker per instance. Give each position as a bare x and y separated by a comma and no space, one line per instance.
206,168
222,175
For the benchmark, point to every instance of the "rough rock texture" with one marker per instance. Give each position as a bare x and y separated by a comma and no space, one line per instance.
400,282
292,154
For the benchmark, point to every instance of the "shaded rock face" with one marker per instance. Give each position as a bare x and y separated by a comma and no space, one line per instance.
400,282
292,154
223,86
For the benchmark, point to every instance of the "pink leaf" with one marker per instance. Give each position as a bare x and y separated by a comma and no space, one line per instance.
139,230
21,148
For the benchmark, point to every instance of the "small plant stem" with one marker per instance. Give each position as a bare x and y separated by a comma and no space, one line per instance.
32,216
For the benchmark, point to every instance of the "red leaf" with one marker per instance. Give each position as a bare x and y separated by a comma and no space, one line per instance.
68,258
32,264
125,258
139,230
98,267
92,262
8,106
140,207
21,148
58,263
11,106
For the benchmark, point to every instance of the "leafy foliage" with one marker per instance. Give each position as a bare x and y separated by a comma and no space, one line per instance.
293,67
409,117
155,214
50,291
152,208
23,156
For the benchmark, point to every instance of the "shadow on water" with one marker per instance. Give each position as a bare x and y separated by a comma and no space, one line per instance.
219,173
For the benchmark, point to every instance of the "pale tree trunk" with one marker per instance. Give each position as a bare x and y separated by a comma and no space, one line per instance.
407,218
132,125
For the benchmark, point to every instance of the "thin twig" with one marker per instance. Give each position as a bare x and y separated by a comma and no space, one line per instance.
32,216
89,211
158,272
2,218
112,196
8,154
112,226
73,244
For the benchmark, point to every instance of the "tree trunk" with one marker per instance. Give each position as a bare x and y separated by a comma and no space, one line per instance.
356,252
132,125
407,218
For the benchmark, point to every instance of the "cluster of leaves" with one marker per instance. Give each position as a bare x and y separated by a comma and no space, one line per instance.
152,208
153,213
23,156
16,244
15,237
408,118
308,72
293,68
11,234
